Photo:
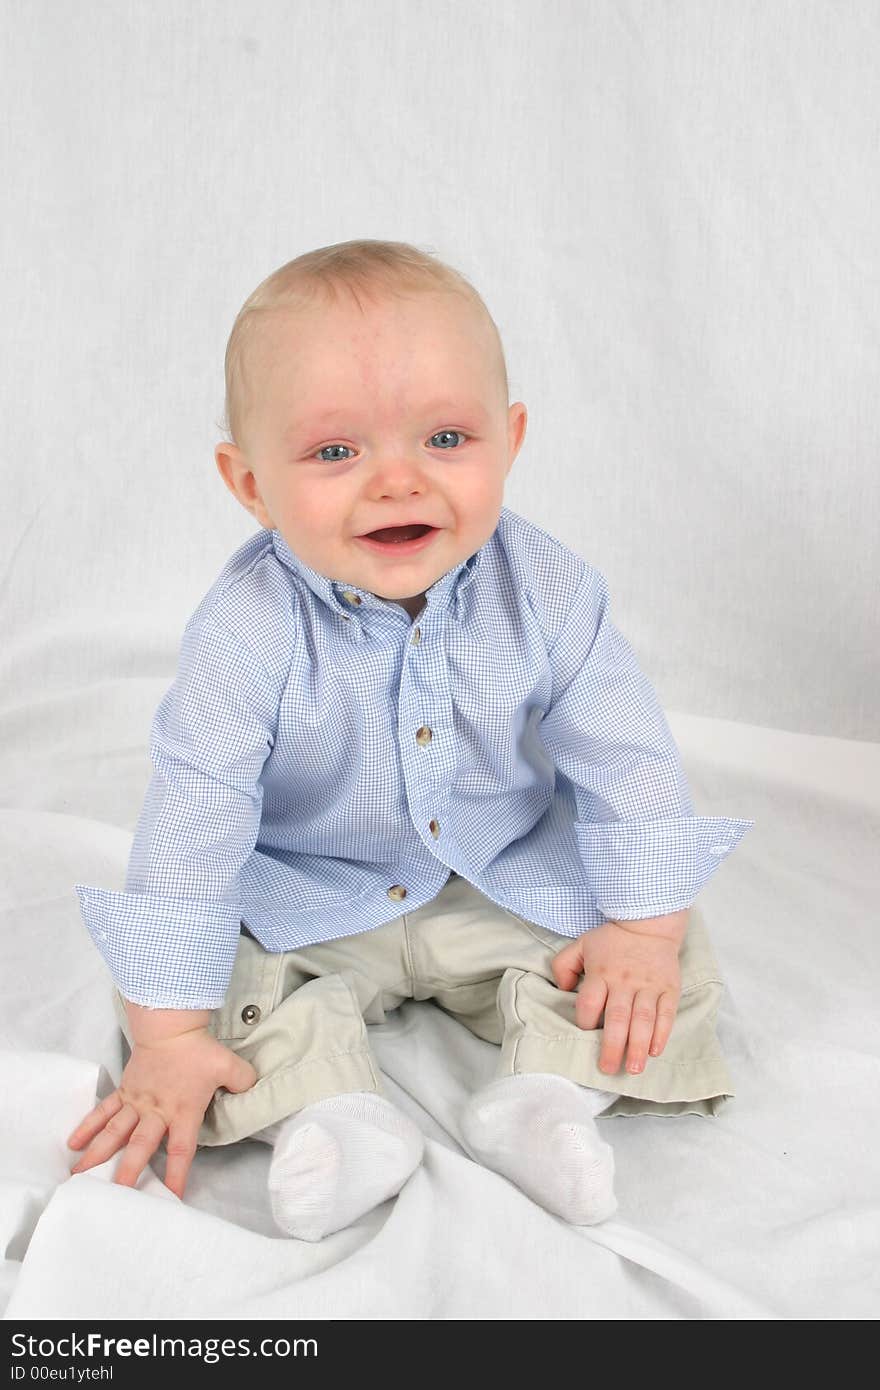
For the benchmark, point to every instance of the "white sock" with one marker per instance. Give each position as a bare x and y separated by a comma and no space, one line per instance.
336,1159
539,1131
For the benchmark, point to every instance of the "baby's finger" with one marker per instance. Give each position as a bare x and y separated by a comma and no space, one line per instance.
113,1136
95,1121
568,965
590,1001
618,1011
143,1143
667,1008
641,1029
181,1148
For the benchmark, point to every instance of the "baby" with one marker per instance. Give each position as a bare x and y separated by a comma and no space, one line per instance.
407,755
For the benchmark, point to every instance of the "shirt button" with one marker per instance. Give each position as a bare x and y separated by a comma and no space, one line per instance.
351,597
423,735
417,635
250,1014
434,827
397,893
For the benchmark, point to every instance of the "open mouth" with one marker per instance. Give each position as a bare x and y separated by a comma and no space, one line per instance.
402,540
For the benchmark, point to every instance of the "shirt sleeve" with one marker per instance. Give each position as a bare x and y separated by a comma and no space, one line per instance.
644,851
171,937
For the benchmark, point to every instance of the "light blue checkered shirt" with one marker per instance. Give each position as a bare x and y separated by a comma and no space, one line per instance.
321,763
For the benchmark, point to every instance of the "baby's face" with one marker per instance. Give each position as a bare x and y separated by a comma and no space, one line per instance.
373,419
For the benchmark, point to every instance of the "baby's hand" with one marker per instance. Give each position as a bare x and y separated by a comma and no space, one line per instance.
166,1086
631,971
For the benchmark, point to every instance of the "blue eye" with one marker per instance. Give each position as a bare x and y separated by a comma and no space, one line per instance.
332,446
439,435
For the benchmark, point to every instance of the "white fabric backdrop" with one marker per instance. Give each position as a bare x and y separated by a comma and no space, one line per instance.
672,211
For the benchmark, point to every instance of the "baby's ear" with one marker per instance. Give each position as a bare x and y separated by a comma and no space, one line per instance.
228,458
234,470
517,421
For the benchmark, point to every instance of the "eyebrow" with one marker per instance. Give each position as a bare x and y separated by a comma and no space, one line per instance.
327,417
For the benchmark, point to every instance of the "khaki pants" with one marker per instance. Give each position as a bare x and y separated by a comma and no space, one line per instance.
300,1017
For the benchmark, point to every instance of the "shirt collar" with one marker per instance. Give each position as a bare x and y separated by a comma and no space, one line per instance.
351,601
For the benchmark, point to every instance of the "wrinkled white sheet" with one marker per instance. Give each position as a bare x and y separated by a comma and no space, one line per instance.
769,1210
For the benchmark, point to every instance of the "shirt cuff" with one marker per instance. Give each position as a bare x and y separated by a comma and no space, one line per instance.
163,952
649,868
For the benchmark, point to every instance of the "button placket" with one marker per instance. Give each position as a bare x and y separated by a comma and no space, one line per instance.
424,736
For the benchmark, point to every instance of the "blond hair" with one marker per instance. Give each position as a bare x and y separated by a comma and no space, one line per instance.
369,266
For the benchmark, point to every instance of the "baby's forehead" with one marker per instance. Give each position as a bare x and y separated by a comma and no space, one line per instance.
420,319
289,340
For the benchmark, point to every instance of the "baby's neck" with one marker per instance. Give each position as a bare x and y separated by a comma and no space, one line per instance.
412,606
